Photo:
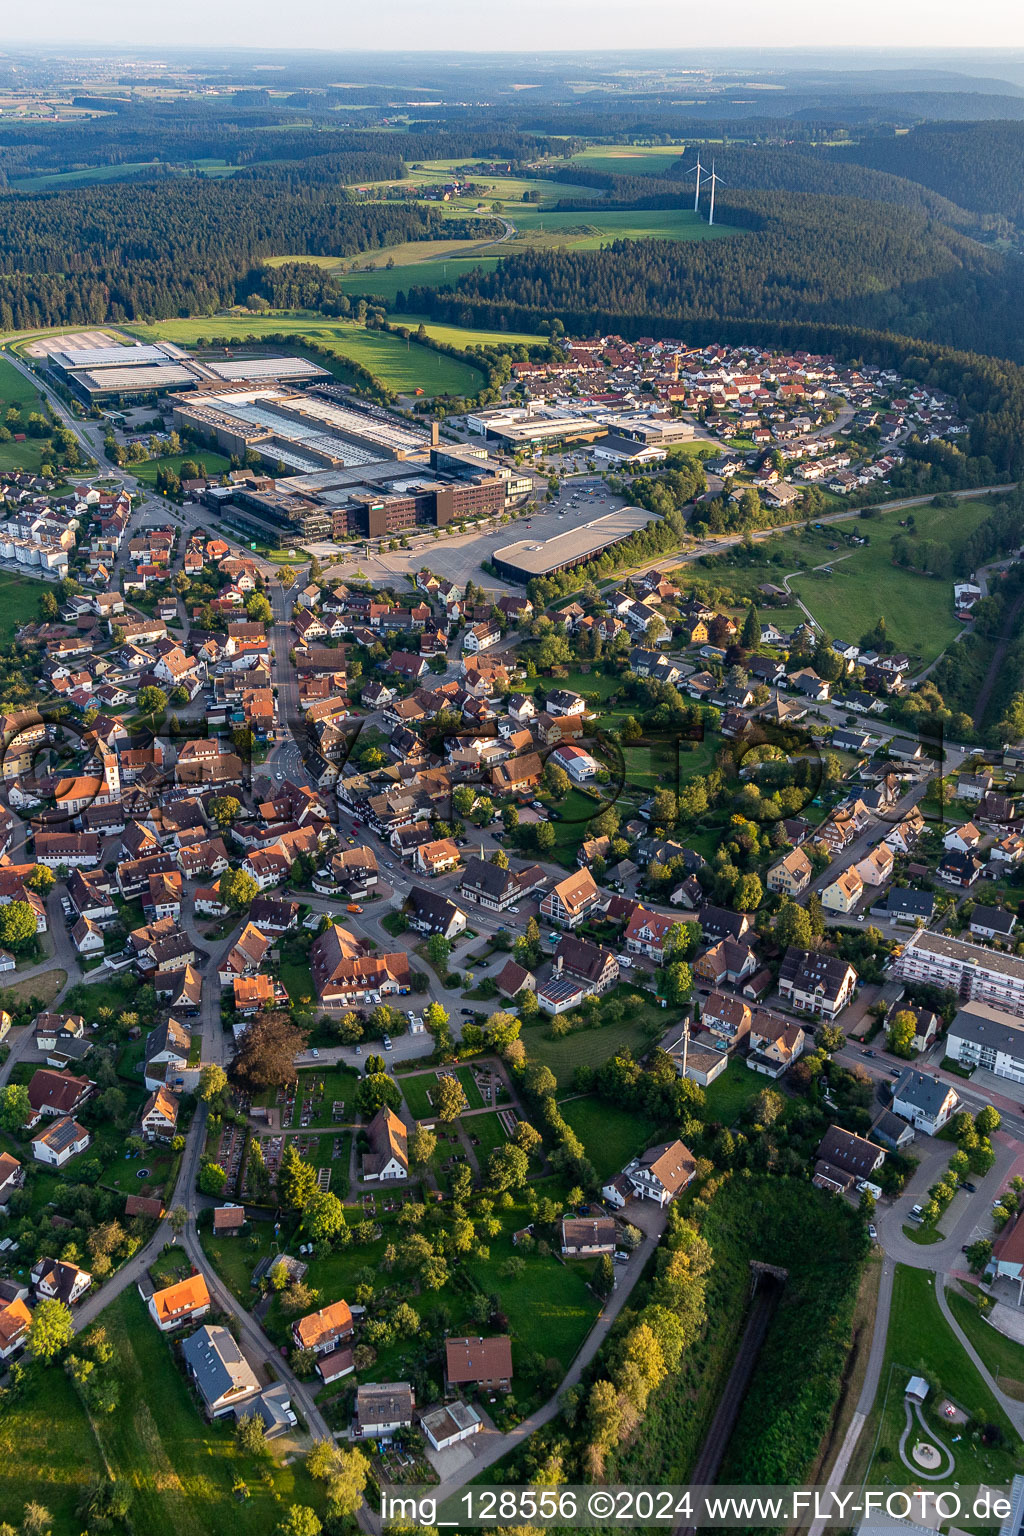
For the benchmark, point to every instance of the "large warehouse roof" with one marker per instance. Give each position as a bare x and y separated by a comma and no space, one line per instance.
268,368
99,357
147,377
531,558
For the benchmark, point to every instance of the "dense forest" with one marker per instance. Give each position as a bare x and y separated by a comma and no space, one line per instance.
836,260
179,132
977,165
123,251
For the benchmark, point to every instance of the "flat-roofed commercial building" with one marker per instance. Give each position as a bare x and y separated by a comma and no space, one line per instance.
283,368
527,558
518,426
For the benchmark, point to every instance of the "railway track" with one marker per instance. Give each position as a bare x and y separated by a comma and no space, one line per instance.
709,1460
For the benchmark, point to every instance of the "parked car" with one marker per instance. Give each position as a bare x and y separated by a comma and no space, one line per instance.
387,1043
972,1189
872,1232
917,1214
468,1013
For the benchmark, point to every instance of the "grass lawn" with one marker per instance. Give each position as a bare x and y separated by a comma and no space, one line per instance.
864,584
474,1098
210,463
415,1088
919,1341
181,1468
235,1258
1003,1357
571,822
488,1131
919,1233
48,1450
917,609
19,602
339,1084
729,1094
402,366
588,1047
16,390
610,1135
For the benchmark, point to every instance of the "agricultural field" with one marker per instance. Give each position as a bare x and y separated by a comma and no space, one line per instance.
409,253
403,366
467,336
628,159
590,229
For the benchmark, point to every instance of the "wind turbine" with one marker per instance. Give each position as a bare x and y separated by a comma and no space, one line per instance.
714,181
700,177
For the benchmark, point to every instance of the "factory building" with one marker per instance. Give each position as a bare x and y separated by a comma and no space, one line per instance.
526,558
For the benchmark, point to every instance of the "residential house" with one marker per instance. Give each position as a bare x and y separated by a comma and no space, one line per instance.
646,932
159,1119
56,1093
844,892
15,1320
727,1017
568,903
845,1160
430,912
992,923
876,867
660,1174
324,1330
592,964
184,1302
222,1375
587,1237
58,1280
775,1043
791,875
484,1363
904,905
167,1052
382,1407
12,1177
925,1101
814,981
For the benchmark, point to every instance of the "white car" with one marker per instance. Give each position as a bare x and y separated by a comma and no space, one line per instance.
514,911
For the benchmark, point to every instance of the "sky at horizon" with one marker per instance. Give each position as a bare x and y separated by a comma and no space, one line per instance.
468,26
